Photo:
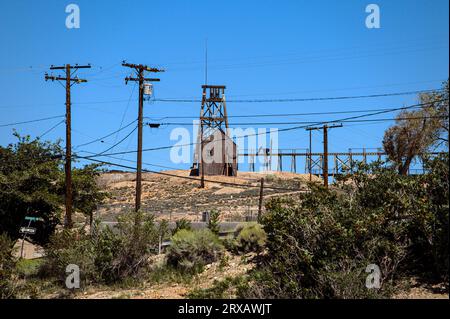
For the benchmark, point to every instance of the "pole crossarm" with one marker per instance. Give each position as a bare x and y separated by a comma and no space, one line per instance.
129,78
62,78
322,127
142,67
76,66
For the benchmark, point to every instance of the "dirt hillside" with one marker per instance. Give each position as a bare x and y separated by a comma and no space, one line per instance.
174,198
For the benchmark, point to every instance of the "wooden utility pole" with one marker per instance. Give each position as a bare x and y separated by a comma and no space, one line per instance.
310,156
140,69
261,197
70,80
202,163
325,150
325,156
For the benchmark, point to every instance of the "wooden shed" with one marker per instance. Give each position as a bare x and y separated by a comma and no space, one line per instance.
220,156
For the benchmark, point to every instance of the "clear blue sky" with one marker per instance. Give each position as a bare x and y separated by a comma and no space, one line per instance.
258,49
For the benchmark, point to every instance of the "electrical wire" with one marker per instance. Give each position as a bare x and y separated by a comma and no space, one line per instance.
106,136
244,101
312,122
32,121
272,115
189,178
50,129
118,143
291,128
126,110
302,99
131,161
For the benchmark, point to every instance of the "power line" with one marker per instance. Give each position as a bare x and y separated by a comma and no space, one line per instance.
353,88
32,121
155,165
312,122
352,54
51,129
292,128
106,136
302,99
131,161
126,110
118,143
274,114
240,101
187,177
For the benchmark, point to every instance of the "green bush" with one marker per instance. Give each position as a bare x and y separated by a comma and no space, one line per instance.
214,222
7,267
319,245
109,255
251,238
190,251
429,229
182,224
138,239
69,247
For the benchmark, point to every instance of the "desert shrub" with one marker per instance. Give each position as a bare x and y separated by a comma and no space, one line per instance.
270,178
69,247
7,267
190,251
138,238
107,247
27,268
319,245
251,238
110,255
214,222
229,242
182,224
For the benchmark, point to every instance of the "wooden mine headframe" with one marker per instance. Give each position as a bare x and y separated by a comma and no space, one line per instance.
214,119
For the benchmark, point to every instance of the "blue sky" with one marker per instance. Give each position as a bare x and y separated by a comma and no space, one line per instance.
258,49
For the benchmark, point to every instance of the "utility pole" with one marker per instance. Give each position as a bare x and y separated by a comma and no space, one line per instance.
310,156
325,150
261,197
202,163
140,69
325,156
70,80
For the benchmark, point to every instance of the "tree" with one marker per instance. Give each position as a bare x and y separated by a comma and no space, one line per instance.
32,184
86,193
214,222
439,108
29,174
416,132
